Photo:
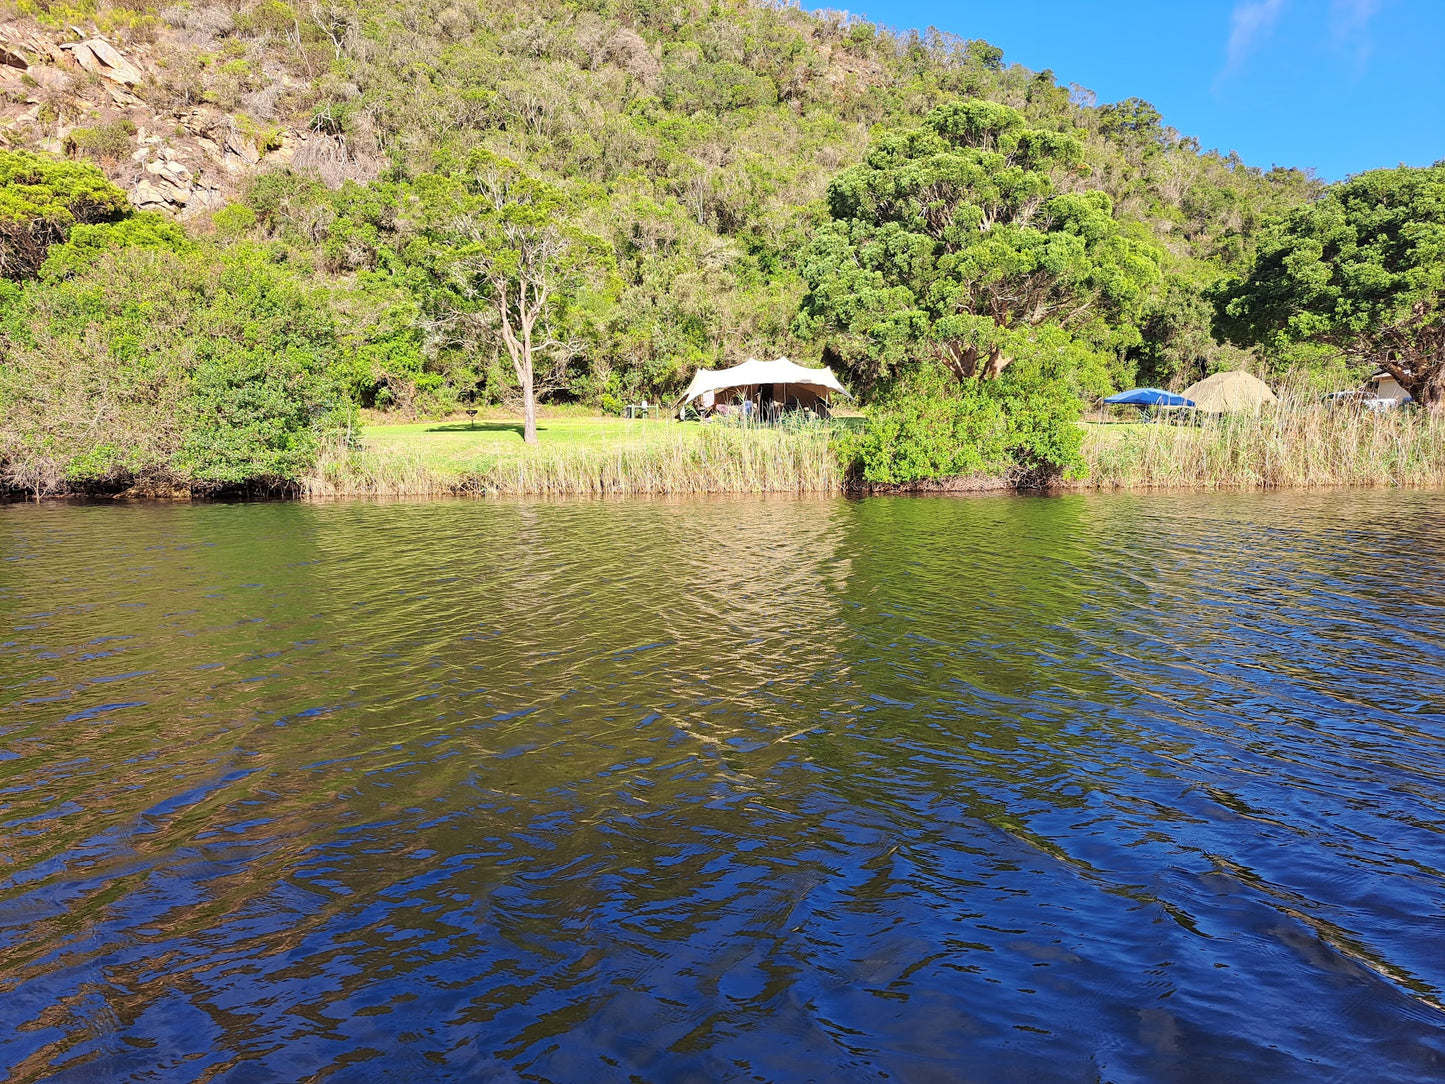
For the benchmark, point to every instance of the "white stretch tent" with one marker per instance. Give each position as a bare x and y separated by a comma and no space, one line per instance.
786,377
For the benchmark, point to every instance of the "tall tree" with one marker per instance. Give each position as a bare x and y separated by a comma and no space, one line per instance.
952,242
515,256
1363,271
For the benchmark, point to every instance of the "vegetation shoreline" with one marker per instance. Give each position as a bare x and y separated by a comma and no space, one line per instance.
1299,448
294,218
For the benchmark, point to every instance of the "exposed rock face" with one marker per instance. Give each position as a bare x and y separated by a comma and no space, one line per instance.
152,197
187,162
167,184
104,60
48,77
238,145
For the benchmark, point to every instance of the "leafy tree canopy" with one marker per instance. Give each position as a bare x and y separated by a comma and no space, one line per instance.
1361,271
41,198
953,242
514,267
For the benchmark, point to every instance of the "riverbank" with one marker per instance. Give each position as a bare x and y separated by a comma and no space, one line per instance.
1303,448
1308,447
578,456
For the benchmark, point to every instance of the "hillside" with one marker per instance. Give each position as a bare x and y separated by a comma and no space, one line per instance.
308,198
699,139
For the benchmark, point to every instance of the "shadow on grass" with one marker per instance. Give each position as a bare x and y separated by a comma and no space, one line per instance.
481,427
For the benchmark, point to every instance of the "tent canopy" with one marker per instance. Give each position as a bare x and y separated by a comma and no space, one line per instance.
753,373
1150,397
1234,392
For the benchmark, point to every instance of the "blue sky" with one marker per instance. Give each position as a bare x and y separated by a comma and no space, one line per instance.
1338,85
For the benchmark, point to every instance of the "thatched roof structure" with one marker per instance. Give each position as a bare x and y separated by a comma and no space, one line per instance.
1235,392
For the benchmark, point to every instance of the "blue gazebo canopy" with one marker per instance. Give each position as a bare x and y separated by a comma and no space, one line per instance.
1150,397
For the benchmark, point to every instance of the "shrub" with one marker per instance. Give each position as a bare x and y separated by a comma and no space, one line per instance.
108,143
41,198
233,220
87,243
931,428
193,365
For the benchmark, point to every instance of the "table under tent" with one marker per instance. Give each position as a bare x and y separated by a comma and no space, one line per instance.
760,391
1152,402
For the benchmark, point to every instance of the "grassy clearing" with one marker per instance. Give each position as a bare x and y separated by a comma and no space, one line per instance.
578,456
1294,445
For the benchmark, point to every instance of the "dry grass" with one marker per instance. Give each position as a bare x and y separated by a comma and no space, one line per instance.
343,471
1297,444
671,459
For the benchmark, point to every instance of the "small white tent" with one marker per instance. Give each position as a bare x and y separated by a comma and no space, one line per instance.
789,381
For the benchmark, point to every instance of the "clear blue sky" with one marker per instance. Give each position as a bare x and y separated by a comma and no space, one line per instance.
1337,85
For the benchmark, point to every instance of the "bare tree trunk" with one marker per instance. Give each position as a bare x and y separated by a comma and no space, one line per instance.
529,384
961,361
1431,392
520,350
997,362
529,405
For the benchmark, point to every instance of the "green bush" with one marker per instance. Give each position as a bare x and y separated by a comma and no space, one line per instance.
87,243
931,428
41,198
196,366
233,220
106,142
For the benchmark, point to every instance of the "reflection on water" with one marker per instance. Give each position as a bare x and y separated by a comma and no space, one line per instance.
1119,788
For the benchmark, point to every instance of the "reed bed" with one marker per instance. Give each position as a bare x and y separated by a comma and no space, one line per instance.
1294,444
343,471
667,461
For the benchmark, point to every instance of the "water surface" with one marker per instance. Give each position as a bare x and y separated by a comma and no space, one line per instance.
1124,788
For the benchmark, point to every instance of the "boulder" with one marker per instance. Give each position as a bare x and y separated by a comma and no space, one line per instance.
124,98
148,197
47,76
242,147
104,60
162,194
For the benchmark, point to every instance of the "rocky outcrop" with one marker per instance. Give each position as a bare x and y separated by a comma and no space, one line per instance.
104,60
184,162
166,183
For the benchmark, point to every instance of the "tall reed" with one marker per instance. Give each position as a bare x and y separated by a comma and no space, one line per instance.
1296,443
344,471
719,459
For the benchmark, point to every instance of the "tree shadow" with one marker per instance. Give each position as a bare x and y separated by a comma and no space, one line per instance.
481,427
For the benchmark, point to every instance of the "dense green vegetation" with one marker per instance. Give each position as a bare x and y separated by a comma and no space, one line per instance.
1361,273
923,428
139,355
951,244
594,199
40,200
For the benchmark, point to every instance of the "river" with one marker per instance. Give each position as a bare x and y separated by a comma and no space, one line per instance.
1077,788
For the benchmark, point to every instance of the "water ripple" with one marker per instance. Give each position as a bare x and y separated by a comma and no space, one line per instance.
1136,788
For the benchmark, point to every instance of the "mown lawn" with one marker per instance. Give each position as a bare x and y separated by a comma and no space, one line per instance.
456,446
